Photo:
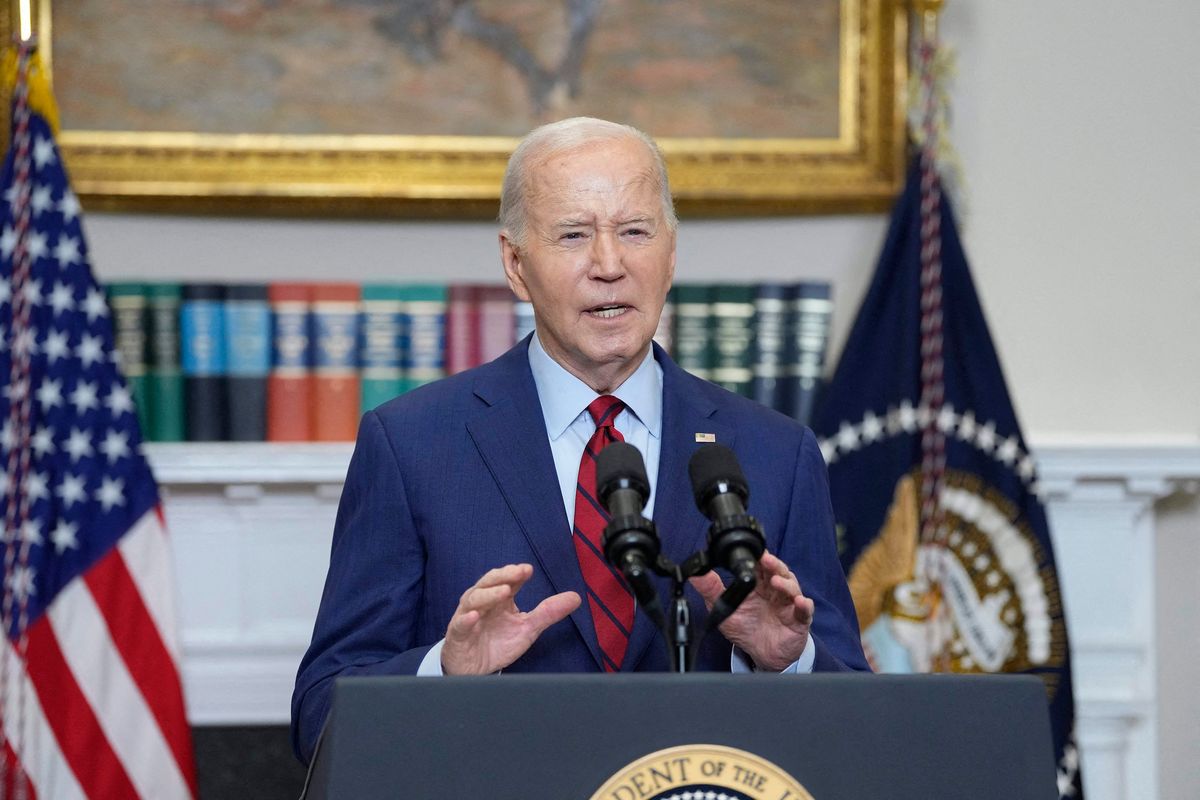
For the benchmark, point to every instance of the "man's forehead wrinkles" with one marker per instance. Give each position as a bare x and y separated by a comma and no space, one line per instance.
618,216
647,175
575,221
560,197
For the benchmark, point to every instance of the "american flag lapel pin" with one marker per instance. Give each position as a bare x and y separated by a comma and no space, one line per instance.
706,437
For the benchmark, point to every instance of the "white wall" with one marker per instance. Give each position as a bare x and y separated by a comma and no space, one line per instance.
1077,122
1178,543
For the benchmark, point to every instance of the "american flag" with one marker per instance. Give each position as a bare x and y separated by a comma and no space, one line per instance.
92,704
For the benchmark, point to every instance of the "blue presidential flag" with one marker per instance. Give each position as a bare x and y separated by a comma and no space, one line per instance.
942,533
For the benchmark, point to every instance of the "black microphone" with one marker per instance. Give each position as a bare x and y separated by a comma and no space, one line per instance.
630,540
735,539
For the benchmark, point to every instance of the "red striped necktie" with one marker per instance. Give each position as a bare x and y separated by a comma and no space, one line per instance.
609,598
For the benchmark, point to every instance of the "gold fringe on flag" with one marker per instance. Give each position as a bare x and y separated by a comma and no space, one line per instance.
942,71
41,98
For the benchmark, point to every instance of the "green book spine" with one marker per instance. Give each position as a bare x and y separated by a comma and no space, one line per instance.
666,324
383,343
692,340
732,327
130,327
164,377
425,327
809,323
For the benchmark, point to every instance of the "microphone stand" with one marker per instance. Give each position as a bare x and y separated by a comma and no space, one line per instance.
631,541
678,632
681,632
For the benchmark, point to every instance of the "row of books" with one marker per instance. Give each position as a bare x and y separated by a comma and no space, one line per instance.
303,361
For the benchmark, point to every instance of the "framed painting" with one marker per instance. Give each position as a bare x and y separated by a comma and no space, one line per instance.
411,107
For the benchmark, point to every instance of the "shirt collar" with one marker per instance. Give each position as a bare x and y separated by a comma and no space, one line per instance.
564,397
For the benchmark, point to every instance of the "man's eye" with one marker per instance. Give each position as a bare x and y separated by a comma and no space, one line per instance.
636,232
573,235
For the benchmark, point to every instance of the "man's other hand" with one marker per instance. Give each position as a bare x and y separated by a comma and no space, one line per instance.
772,623
488,632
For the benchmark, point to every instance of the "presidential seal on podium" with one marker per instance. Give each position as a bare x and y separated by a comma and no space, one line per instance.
701,772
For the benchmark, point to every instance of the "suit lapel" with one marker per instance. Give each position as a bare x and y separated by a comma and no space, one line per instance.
687,411
511,437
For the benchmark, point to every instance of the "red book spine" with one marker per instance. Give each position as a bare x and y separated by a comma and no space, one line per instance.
462,328
289,384
336,385
497,322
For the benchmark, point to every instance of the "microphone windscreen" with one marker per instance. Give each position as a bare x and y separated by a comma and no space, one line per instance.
619,462
712,464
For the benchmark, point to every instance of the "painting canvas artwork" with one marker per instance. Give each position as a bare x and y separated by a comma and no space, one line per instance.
676,68
384,107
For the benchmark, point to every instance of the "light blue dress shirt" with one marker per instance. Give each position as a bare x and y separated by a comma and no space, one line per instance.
569,426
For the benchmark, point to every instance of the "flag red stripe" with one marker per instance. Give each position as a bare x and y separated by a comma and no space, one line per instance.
141,647
70,716
8,788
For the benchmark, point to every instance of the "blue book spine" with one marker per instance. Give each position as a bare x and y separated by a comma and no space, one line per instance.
248,360
202,345
769,355
811,314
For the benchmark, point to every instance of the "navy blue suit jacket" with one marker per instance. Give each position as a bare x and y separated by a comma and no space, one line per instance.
455,478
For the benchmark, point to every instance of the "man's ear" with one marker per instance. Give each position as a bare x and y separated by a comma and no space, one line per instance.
510,257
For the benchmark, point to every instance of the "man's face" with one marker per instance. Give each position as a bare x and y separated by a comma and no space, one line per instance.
598,258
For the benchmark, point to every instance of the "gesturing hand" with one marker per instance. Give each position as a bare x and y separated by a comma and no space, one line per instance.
772,624
488,632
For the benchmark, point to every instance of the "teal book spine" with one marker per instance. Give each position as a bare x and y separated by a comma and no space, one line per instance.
524,318
384,341
425,329
165,374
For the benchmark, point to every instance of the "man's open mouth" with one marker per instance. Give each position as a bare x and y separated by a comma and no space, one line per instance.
608,312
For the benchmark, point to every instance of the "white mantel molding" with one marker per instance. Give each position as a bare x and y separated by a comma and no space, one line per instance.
251,524
228,463
1062,463
1155,470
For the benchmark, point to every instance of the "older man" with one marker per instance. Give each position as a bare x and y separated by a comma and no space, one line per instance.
454,554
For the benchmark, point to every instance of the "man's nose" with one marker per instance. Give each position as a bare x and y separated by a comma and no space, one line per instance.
607,259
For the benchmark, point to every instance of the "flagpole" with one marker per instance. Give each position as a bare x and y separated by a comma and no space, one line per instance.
25,12
929,11
16,551
933,387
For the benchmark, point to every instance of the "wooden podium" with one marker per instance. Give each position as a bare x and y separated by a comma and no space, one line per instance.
563,737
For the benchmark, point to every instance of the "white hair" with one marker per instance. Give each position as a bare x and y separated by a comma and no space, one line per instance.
557,137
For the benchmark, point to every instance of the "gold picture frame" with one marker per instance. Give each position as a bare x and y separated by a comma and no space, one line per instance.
459,176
